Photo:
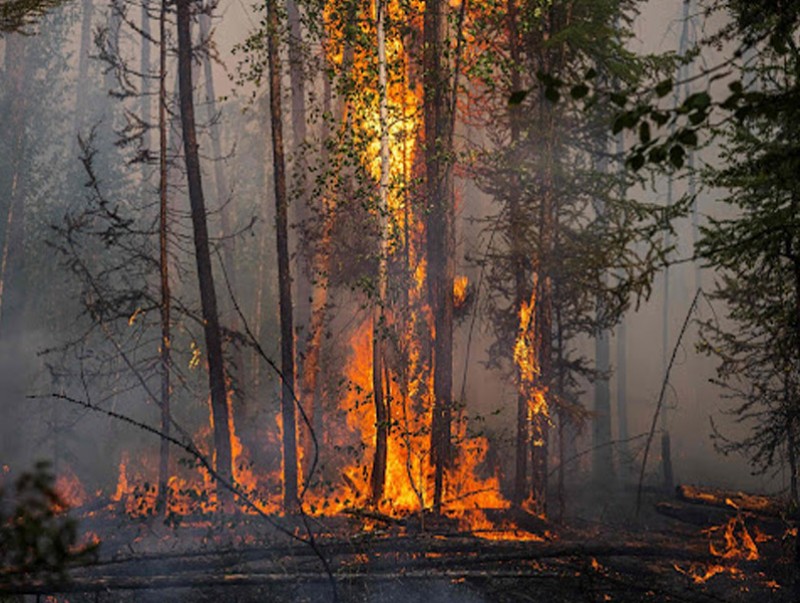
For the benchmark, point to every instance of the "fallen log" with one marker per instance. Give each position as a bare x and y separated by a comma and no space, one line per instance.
377,569
704,516
731,499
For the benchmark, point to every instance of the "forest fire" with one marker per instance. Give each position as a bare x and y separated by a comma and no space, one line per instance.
360,305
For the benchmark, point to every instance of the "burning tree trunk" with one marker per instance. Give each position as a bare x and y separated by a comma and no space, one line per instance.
382,412
440,228
544,323
208,296
163,464
284,276
521,284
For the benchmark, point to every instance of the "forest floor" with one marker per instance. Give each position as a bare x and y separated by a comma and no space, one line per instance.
600,552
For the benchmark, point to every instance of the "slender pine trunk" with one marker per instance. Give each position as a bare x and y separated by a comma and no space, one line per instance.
208,296
163,261
440,229
284,276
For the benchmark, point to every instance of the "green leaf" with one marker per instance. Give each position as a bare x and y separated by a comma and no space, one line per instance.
517,97
658,154
551,93
659,117
676,156
697,117
644,132
697,101
579,91
687,137
618,98
664,88
636,162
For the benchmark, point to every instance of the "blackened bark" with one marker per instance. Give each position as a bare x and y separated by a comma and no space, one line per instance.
440,229
145,69
521,288
166,342
284,275
208,296
237,372
378,477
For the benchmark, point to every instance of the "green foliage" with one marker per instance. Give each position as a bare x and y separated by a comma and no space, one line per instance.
37,539
18,16
757,255
546,155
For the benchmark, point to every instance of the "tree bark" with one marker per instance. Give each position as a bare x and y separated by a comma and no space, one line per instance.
382,413
83,65
12,296
284,277
440,229
237,372
163,219
208,297
303,283
518,254
145,78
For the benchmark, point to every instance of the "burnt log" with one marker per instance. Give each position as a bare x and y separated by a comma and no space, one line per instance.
731,499
706,516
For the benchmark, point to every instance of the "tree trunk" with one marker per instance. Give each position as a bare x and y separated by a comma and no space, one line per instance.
145,78
12,296
440,229
382,414
303,283
83,65
208,297
237,372
284,277
521,277
602,457
166,342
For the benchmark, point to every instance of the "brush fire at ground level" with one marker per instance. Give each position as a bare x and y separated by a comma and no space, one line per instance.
695,547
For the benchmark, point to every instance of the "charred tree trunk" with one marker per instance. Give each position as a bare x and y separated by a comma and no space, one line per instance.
382,413
166,341
145,78
440,229
521,277
284,277
208,296
237,371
